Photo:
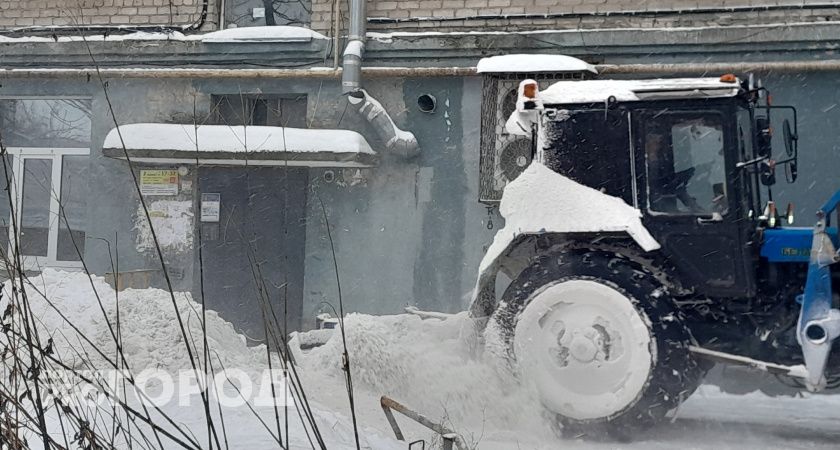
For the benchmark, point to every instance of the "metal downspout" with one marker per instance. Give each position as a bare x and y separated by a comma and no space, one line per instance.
398,141
351,76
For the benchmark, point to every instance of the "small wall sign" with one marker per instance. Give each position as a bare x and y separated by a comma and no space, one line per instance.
159,182
210,207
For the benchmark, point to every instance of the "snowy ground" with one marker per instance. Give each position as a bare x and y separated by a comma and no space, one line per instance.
421,363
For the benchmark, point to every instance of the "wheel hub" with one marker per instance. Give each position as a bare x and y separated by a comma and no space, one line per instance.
583,349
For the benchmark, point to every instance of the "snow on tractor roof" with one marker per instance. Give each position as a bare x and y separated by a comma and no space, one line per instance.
524,63
596,91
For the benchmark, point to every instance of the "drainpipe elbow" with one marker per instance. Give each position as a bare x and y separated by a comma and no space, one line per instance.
397,141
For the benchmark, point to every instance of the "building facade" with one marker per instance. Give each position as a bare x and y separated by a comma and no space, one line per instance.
407,230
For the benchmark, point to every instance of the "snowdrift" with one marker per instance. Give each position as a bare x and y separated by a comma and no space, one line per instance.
425,364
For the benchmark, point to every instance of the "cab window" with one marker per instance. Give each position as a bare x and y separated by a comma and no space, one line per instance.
685,163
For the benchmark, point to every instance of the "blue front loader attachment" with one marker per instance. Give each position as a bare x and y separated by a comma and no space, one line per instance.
819,323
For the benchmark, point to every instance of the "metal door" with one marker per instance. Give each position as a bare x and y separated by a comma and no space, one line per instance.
256,249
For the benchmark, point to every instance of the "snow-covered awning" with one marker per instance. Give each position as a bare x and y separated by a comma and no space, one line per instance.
525,63
274,33
269,34
223,145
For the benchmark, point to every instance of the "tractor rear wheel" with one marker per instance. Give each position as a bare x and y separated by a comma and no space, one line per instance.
600,340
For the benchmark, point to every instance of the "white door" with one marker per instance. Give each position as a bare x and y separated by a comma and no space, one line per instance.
39,186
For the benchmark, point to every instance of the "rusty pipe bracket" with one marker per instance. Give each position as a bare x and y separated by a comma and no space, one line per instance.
450,437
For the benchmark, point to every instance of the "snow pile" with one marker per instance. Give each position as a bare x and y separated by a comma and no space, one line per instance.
152,340
222,138
428,366
148,327
425,365
312,338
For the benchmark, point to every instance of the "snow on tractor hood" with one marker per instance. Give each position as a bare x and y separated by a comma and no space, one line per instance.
543,201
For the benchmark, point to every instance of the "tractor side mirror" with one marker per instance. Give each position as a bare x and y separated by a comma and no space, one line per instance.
790,138
764,137
792,151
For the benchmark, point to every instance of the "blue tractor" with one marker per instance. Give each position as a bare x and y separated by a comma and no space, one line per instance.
643,243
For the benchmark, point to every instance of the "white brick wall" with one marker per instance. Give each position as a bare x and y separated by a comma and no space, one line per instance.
22,13
657,13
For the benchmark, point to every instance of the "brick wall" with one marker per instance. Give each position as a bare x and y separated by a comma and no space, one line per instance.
322,15
470,14
477,14
25,13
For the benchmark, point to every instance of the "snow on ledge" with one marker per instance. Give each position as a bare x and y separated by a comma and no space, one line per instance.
279,33
223,138
525,63
116,37
276,33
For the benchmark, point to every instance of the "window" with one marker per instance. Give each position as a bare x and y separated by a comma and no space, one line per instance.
260,110
48,145
685,163
591,148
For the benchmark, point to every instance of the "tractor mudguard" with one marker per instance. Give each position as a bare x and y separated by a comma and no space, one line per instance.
542,201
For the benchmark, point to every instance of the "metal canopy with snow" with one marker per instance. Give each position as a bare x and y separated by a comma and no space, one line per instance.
224,145
534,63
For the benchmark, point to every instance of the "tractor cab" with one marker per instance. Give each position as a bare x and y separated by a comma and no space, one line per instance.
691,154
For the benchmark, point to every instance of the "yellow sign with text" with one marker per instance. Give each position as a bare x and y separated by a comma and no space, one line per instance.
159,182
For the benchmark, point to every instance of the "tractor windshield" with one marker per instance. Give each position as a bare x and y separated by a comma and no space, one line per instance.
685,163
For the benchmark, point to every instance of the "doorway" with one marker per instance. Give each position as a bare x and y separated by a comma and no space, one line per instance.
254,254
44,180
48,187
